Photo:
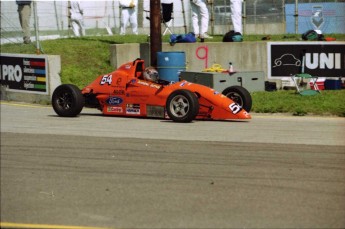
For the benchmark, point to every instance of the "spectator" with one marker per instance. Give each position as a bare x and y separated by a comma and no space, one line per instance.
129,13
236,15
199,9
24,11
77,19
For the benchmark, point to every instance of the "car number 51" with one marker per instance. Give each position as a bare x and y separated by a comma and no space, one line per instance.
235,108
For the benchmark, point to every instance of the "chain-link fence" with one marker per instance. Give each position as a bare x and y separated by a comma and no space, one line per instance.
103,17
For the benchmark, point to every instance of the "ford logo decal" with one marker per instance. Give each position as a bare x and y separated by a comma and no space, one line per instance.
114,100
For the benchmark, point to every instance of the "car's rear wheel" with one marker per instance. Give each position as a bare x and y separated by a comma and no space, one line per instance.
239,95
67,100
182,106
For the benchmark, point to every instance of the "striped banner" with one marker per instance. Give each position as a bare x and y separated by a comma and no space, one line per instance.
25,73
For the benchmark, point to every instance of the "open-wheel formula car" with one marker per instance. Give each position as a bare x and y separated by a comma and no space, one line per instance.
125,92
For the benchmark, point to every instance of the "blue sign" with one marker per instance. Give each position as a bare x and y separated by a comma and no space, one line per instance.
327,17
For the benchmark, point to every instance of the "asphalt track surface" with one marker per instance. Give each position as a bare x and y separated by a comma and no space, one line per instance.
273,171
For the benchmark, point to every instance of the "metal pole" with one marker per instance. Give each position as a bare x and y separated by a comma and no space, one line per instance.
244,7
69,16
255,12
296,17
155,30
57,18
114,16
36,29
184,17
284,15
212,17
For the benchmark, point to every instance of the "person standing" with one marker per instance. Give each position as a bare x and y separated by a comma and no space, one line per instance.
199,9
24,12
236,15
129,14
77,18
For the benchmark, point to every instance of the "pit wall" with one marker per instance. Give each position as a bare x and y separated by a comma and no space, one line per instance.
245,56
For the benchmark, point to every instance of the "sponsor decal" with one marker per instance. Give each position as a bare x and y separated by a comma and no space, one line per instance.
128,66
114,100
133,105
119,92
114,109
157,86
182,84
118,81
133,109
143,83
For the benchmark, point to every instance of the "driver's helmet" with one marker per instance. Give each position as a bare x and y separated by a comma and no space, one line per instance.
151,74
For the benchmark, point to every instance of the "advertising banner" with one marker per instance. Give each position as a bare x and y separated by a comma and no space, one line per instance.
322,59
26,73
327,16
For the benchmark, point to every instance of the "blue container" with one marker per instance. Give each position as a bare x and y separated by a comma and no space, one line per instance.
170,65
332,84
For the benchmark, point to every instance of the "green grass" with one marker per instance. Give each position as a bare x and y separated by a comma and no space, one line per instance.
83,59
328,102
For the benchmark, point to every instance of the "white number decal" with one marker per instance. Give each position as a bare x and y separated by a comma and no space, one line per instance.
235,108
106,79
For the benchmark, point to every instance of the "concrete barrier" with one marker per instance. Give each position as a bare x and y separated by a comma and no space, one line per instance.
245,56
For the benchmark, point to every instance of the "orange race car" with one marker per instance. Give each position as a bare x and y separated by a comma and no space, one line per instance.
134,91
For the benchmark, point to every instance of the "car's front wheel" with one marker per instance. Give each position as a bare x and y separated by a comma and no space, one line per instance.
67,100
239,95
182,106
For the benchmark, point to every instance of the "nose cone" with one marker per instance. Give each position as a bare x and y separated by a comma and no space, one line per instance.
244,115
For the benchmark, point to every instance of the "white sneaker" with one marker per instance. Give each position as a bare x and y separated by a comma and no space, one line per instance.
206,36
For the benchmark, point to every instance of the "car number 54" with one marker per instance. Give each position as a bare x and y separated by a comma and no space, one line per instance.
106,79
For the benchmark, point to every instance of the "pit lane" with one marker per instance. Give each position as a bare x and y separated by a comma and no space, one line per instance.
273,171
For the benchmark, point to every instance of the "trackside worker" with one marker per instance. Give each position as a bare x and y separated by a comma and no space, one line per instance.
199,8
129,14
24,12
236,15
77,19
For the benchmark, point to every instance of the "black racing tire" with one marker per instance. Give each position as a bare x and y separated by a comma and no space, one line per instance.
182,106
239,95
67,100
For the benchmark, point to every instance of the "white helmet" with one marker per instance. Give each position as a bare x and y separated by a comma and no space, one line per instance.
151,74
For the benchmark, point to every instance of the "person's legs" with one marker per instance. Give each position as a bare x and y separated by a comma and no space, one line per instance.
204,16
236,15
134,21
124,21
24,18
82,27
195,18
75,28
